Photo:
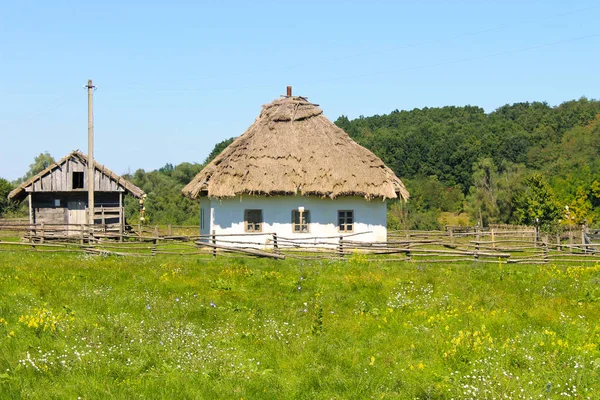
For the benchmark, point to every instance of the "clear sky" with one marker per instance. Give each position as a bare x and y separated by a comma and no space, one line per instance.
174,78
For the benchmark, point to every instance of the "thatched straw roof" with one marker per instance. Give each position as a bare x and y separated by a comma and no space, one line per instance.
20,192
292,148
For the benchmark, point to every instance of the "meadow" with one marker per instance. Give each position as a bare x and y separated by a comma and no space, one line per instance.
79,326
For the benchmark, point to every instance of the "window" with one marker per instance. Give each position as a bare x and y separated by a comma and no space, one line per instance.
77,180
56,202
346,220
300,220
253,220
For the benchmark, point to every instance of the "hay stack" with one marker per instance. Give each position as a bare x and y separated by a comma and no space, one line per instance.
292,148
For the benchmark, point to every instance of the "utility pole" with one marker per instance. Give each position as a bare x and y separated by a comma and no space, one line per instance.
90,89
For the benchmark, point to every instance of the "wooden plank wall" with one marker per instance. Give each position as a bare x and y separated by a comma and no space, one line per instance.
45,209
61,180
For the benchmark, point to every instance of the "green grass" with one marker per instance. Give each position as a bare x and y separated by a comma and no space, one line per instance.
166,327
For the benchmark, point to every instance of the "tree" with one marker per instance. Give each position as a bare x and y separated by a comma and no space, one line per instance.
219,147
536,204
482,201
41,162
490,197
5,204
185,172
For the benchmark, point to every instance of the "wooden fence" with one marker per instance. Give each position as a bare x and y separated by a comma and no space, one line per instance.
497,244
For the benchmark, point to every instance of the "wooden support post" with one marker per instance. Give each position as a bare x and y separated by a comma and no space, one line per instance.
82,234
341,247
121,217
558,246
408,255
91,233
583,246
121,233
451,232
214,241
42,232
275,244
493,242
103,217
570,241
30,209
90,156
169,230
155,231
30,218
545,250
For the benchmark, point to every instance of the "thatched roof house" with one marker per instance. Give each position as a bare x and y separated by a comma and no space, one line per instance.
292,148
294,171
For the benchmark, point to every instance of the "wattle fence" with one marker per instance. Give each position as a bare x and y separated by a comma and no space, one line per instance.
495,244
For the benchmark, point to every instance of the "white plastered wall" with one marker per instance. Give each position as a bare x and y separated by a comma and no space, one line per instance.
226,216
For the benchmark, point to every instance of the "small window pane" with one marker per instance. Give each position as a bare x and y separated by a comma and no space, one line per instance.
77,180
346,220
300,221
253,220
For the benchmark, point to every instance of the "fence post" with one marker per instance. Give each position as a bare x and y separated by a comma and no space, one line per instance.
570,240
214,242
545,250
341,247
408,256
583,246
477,250
275,244
451,231
558,246
170,230
493,241
42,233
81,234
31,232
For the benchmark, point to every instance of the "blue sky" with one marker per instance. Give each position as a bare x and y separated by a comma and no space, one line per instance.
174,78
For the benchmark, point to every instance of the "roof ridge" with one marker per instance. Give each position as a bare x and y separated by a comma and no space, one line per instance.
130,187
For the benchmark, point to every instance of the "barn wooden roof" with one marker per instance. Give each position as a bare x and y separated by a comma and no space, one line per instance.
292,148
21,192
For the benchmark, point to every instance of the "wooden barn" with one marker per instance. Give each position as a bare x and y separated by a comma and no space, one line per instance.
59,194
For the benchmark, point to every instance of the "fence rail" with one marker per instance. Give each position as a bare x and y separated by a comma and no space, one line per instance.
494,245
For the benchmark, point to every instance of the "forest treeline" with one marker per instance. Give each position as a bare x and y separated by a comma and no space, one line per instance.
525,163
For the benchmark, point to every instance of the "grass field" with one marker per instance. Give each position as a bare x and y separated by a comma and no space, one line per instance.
74,326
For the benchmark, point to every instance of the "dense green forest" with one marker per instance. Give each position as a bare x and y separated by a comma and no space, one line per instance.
520,163
525,163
